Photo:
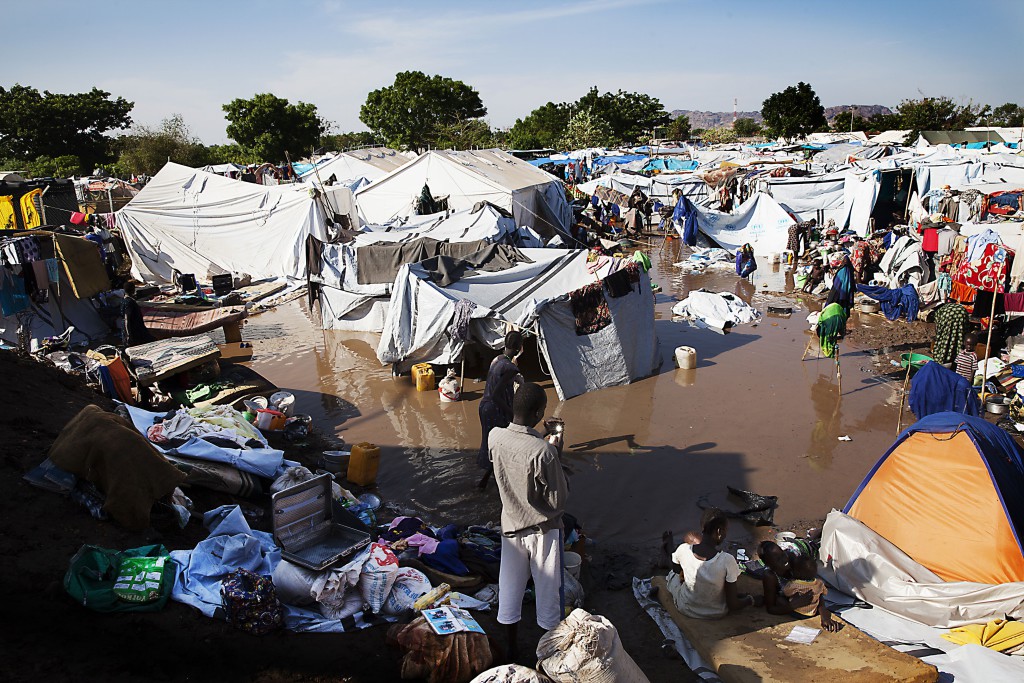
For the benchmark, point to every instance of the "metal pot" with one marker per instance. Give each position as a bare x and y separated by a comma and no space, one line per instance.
997,405
870,307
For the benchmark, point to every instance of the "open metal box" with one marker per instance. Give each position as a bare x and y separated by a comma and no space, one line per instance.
306,528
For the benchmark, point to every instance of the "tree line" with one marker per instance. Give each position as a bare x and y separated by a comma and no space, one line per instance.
57,134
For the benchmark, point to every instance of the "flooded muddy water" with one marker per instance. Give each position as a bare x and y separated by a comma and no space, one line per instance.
643,457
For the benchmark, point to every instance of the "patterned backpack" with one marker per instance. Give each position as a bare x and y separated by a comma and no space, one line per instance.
251,602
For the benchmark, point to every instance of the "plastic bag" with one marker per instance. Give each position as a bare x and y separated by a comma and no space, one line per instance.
140,579
586,649
409,585
93,572
378,576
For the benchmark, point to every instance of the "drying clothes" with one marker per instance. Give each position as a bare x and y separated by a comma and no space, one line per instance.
29,213
27,249
896,303
620,283
13,298
685,213
976,243
988,271
53,270
643,259
951,320
590,309
930,240
965,294
831,328
999,635
903,263
82,265
1013,303
380,263
945,284
934,389
460,320
945,238
8,219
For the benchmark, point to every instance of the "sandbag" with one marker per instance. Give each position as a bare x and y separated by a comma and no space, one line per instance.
511,673
574,595
294,584
343,605
586,648
453,658
409,585
378,576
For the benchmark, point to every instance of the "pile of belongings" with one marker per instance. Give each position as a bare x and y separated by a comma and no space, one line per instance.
716,311
220,425
704,258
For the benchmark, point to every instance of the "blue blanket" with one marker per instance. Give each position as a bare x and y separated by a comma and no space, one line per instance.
935,389
896,303
686,214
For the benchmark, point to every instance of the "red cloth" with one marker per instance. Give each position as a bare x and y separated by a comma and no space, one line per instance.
930,242
985,273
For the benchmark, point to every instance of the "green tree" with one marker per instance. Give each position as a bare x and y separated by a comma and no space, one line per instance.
542,129
232,153
1009,115
678,128
715,136
586,129
841,122
409,113
746,128
268,126
342,141
884,122
34,124
937,113
794,112
146,150
632,116
466,134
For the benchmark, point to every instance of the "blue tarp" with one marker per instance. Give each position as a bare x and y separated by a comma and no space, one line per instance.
685,214
548,160
620,159
1002,456
670,165
936,389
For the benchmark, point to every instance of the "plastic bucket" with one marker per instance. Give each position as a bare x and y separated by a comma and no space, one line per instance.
270,420
686,358
572,562
284,402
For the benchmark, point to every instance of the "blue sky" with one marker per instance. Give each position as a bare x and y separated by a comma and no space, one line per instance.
191,57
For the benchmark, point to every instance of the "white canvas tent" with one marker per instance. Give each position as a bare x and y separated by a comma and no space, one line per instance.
197,222
759,221
533,197
346,304
531,296
371,164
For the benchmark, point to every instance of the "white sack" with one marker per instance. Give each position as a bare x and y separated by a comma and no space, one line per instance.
586,649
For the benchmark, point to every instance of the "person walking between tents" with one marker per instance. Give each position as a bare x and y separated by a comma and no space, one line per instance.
533,491
496,405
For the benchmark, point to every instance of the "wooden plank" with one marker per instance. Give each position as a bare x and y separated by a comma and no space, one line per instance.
750,647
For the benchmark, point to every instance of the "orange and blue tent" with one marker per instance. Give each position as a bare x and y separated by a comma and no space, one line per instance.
950,494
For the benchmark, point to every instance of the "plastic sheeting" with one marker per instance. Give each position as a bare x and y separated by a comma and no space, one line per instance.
862,563
197,222
759,221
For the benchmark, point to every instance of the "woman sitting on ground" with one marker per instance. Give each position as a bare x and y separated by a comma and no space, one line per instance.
791,585
703,585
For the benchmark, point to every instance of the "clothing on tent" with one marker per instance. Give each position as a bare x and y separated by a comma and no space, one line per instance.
945,284
830,328
934,389
621,282
965,294
896,303
1013,303
976,243
951,321
686,214
53,270
13,298
590,309
989,271
460,320
27,250
380,263
82,265
930,240
29,212
8,219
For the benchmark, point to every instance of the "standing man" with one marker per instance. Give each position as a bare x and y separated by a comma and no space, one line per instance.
533,492
496,405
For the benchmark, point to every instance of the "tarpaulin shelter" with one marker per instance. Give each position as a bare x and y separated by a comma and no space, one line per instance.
420,326
533,197
372,164
950,494
759,221
201,223
348,304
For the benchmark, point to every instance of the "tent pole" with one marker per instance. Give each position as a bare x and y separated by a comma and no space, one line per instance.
903,398
991,321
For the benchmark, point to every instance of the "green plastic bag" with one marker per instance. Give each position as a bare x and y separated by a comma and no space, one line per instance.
98,578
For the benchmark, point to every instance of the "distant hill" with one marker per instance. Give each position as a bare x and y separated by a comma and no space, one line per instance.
717,119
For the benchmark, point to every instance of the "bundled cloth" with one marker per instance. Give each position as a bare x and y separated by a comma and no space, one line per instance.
896,303
457,657
831,328
716,310
951,320
935,389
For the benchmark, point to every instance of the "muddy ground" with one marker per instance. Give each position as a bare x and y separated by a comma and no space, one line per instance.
644,459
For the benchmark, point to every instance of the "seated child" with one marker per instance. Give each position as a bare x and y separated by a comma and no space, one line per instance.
815,277
804,592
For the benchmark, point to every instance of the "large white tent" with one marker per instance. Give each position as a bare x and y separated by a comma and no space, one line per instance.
197,222
371,164
347,304
759,221
532,296
533,197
